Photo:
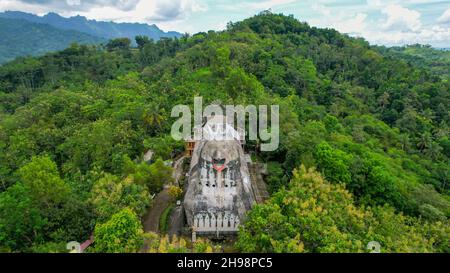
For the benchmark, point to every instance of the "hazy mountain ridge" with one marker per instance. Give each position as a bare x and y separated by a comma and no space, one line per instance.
107,30
23,38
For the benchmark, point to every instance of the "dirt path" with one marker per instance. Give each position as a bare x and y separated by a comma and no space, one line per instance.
176,222
160,203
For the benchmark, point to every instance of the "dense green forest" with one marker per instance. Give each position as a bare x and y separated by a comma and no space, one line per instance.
438,61
23,38
364,152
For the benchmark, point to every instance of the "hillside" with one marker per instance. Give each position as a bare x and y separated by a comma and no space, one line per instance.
107,30
22,38
364,139
436,60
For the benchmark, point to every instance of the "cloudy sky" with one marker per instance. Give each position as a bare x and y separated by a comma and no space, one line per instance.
389,22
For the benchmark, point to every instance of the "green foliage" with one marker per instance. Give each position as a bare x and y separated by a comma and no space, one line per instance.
275,179
163,244
431,205
42,179
99,144
50,247
153,176
121,234
300,144
164,220
175,193
141,41
110,194
163,147
118,44
373,183
315,216
40,208
334,163
74,125
21,222
439,234
438,61
220,62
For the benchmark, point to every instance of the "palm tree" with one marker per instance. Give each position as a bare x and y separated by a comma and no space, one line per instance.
404,140
433,151
152,117
425,141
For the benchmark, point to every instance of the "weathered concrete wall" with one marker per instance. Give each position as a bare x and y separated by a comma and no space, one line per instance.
218,194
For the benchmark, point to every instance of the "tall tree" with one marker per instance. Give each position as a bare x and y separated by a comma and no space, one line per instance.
121,234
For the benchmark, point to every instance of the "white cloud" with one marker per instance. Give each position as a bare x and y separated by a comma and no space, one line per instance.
25,7
383,3
111,10
353,25
73,2
445,17
265,5
403,26
401,19
80,5
253,7
167,15
321,9
175,10
397,26
435,35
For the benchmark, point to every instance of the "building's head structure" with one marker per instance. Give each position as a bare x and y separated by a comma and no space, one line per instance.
219,190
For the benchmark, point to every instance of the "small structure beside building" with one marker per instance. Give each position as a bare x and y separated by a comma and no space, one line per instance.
189,147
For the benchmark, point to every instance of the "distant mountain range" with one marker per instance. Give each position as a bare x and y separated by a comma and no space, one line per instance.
22,38
28,34
107,30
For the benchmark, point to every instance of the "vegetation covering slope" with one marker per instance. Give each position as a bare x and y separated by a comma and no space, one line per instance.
95,28
22,38
74,124
438,61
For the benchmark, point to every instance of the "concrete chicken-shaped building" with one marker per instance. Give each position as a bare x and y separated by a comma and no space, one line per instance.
219,190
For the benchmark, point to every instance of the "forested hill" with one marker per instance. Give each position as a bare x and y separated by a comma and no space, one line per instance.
28,34
436,60
364,153
95,28
22,38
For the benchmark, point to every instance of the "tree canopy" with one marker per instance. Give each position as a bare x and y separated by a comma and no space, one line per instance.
75,125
